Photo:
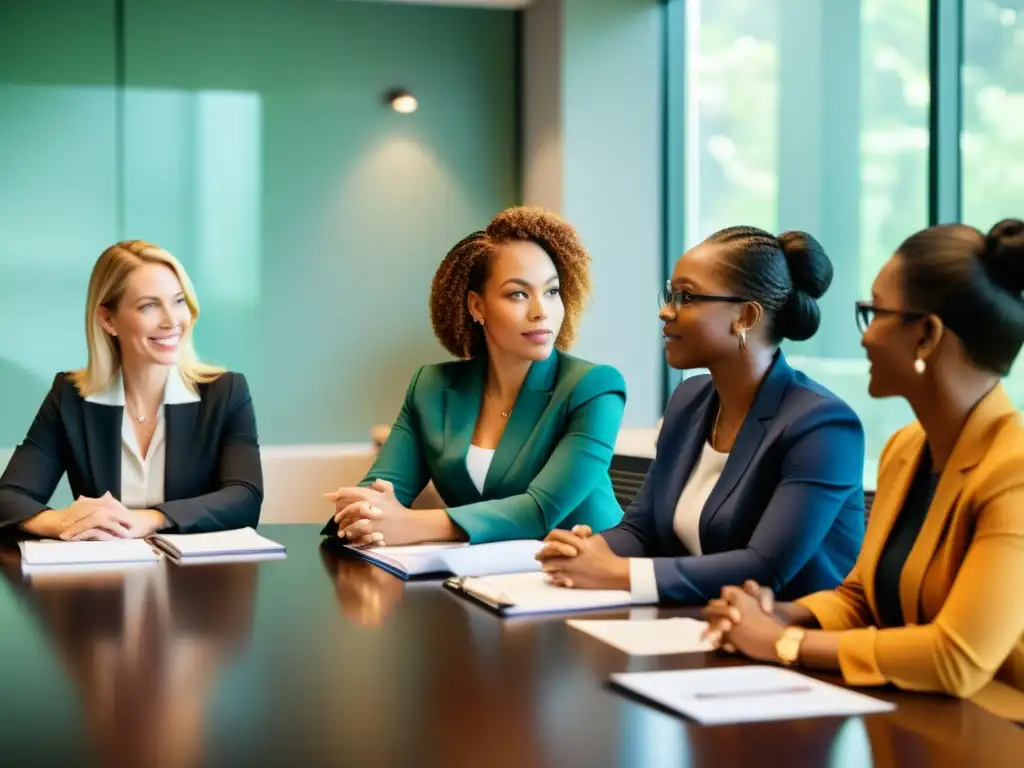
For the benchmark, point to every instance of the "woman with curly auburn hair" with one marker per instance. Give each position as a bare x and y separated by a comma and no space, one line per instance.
517,435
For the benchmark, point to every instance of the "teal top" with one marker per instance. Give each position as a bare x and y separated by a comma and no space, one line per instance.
550,469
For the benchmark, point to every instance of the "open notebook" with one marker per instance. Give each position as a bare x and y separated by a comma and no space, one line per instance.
521,594
237,544
422,560
51,554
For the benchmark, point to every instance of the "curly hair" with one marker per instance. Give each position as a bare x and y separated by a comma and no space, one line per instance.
466,268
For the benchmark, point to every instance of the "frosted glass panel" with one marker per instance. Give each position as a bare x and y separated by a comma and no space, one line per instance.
252,142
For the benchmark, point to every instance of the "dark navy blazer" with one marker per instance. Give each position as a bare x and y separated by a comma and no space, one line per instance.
788,509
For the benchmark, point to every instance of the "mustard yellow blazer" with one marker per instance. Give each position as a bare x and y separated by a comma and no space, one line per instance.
961,586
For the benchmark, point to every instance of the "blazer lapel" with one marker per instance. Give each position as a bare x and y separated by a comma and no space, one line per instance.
695,424
181,424
533,399
461,410
766,404
102,427
886,509
967,453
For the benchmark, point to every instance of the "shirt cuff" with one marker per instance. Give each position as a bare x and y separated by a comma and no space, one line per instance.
643,585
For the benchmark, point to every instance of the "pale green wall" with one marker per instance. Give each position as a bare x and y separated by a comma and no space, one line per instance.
255,148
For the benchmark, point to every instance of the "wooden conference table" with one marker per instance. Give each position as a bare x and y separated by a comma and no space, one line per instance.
324,660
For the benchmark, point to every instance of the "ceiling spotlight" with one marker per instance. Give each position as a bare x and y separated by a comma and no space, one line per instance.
402,101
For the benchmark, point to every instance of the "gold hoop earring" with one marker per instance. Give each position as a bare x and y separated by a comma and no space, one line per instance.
742,333
919,366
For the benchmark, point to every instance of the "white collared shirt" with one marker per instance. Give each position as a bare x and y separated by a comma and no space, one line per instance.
142,478
643,585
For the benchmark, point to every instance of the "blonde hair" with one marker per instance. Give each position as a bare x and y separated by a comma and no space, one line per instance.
106,287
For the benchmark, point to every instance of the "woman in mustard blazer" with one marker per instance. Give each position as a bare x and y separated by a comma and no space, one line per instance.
933,602
517,436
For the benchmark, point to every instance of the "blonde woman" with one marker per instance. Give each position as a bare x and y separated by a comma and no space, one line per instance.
151,439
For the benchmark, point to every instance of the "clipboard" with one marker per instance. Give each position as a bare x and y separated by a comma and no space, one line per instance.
525,594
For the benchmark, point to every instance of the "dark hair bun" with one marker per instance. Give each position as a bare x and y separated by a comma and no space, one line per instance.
1003,255
811,272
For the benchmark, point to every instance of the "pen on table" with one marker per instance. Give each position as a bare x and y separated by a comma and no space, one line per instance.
753,692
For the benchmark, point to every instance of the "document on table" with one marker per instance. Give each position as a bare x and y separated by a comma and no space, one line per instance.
649,637
520,594
218,546
460,559
747,694
49,554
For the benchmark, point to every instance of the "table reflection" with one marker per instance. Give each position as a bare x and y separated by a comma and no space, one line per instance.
143,645
366,594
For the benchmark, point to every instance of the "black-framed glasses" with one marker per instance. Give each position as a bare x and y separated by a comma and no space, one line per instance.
681,298
866,312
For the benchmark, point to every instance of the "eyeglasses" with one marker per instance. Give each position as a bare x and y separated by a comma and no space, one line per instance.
866,312
681,298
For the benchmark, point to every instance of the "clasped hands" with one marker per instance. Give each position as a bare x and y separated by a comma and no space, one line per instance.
371,516
743,620
579,559
89,519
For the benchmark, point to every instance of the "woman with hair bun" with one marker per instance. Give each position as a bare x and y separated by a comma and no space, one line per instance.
932,603
758,469
516,435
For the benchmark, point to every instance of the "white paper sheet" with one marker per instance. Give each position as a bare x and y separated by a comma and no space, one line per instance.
747,694
648,638
239,541
65,554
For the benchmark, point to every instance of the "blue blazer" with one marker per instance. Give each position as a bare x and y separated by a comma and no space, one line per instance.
788,509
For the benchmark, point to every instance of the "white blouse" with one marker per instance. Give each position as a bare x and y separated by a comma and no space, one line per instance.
478,461
685,523
142,478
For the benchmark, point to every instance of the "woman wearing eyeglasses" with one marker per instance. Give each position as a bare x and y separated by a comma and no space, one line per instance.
933,603
758,468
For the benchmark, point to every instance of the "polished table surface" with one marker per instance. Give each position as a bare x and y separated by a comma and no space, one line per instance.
320,659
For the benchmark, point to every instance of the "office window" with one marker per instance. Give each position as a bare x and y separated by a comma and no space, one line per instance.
812,115
993,111
992,89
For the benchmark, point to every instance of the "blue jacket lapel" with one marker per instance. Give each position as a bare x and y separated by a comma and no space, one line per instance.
102,430
534,396
694,424
766,404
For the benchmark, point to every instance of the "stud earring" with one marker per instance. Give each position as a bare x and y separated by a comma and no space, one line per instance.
481,321
742,333
919,366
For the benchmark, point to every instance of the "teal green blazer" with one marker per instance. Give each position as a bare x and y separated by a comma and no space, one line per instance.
550,469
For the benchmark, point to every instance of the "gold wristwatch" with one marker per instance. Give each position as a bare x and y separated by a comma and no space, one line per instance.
787,647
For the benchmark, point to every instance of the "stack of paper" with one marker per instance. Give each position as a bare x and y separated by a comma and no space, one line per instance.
50,555
222,546
519,594
454,558
653,637
747,694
